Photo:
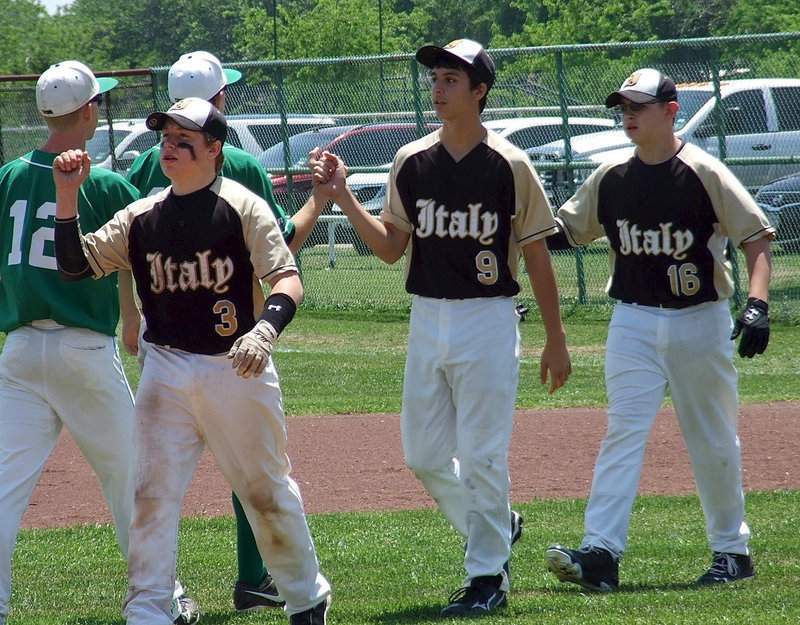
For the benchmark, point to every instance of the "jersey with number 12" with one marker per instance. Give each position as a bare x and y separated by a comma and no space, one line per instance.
30,286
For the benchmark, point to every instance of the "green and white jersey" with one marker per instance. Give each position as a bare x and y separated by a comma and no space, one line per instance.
145,174
30,286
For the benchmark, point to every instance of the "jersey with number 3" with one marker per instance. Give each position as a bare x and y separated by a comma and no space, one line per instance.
668,226
468,219
30,286
199,261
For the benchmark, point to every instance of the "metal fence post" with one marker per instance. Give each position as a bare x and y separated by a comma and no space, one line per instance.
569,175
417,97
719,111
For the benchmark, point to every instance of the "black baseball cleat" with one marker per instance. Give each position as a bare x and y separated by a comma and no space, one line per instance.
249,597
728,567
590,567
482,596
318,615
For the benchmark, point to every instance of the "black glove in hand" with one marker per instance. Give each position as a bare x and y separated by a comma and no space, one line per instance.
753,324
251,351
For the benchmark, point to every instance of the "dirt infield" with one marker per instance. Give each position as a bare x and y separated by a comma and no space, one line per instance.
353,463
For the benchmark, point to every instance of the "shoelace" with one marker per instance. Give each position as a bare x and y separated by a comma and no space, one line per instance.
458,595
724,564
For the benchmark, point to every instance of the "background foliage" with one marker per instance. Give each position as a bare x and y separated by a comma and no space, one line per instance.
110,35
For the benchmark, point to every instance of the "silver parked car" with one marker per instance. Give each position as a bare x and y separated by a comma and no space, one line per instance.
780,200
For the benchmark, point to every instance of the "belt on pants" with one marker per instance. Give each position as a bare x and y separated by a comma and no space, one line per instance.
669,306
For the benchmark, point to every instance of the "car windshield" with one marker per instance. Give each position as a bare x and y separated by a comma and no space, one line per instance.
299,147
99,147
689,102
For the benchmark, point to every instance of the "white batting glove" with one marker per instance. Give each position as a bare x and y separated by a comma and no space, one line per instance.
251,351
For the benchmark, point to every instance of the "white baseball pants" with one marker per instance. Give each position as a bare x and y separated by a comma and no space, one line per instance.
51,378
459,394
184,402
690,352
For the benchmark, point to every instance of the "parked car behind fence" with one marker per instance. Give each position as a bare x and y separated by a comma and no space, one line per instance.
372,145
524,132
780,200
758,118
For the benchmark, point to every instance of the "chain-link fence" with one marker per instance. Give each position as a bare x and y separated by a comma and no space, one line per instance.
547,100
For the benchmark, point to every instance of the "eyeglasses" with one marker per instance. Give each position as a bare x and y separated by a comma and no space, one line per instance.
98,99
633,107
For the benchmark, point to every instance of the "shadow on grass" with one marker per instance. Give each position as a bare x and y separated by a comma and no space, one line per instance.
409,615
630,589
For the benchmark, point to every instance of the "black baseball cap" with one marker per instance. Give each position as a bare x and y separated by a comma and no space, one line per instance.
464,50
192,114
645,85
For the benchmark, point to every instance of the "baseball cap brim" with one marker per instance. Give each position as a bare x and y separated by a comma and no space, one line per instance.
231,75
629,94
427,55
156,121
106,84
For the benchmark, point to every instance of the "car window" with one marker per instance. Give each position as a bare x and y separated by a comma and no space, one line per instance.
745,113
689,102
143,142
268,135
539,135
98,146
299,147
786,104
368,149
233,138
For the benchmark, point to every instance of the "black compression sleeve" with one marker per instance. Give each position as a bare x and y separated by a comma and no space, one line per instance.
558,241
278,311
71,261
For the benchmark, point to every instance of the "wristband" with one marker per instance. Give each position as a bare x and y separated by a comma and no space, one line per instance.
278,311
758,303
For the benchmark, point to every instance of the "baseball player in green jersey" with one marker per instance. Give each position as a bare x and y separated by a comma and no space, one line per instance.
200,74
60,336
463,205
669,211
201,252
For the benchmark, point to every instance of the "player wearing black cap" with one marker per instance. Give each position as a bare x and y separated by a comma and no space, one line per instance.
202,251
200,74
668,212
463,204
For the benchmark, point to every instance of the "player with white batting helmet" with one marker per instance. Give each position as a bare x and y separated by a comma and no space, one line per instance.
60,366
668,212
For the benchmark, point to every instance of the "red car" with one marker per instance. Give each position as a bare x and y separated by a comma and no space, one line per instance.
372,145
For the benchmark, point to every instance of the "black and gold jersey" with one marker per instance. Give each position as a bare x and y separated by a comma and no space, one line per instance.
468,219
199,261
668,226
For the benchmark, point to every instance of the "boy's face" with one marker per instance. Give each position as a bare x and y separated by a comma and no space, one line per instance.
185,153
643,122
451,93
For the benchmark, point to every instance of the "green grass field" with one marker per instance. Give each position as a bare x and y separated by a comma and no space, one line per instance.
399,567
391,568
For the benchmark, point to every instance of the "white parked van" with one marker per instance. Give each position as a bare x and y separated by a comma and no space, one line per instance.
761,119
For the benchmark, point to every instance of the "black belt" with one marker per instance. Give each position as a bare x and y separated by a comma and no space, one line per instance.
670,306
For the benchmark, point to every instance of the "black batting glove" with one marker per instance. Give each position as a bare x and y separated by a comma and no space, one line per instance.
753,324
